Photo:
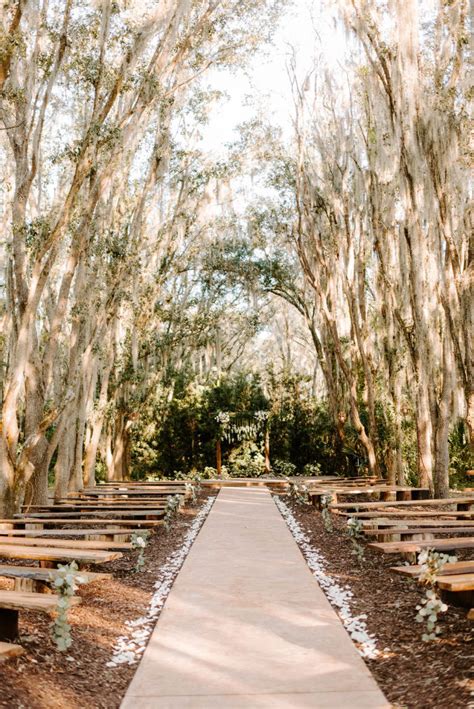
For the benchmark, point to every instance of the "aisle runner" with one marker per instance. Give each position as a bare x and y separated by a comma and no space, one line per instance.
246,625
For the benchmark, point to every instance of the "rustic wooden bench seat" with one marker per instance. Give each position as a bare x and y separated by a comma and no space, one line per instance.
411,532
66,543
394,522
109,534
456,583
11,602
384,492
457,567
21,522
152,512
466,502
126,494
415,516
86,507
34,578
8,650
47,555
415,546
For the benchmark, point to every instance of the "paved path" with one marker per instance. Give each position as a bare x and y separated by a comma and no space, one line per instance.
246,624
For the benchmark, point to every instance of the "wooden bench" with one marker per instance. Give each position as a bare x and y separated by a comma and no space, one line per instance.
462,503
415,514
456,567
394,522
33,578
400,493
456,583
416,546
49,556
152,513
126,494
11,602
66,543
86,507
415,532
39,523
111,534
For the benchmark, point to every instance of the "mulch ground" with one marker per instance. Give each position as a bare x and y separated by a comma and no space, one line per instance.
44,678
411,673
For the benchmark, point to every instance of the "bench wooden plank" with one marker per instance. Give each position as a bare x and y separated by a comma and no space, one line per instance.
456,583
456,567
24,600
66,543
415,514
8,650
415,546
79,522
387,531
38,574
86,533
86,508
396,523
404,503
54,554
95,514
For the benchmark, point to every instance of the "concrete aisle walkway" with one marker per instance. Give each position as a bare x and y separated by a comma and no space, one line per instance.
246,624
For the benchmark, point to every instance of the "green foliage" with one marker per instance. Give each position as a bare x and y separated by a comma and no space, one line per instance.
246,460
325,512
66,581
354,529
139,541
431,606
179,432
298,493
173,503
461,455
283,468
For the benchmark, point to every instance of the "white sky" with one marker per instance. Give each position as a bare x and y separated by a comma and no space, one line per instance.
266,80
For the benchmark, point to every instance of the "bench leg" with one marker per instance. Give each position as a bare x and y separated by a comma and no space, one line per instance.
8,624
403,495
44,564
32,586
462,599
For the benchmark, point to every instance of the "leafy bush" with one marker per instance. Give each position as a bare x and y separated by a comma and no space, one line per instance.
246,460
283,468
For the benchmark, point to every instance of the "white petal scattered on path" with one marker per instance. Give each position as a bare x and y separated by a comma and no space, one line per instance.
128,648
337,595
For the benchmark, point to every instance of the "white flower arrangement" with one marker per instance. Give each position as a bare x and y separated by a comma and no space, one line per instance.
223,417
430,607
355,531
325,513
139,541
173,503
65,582
298,492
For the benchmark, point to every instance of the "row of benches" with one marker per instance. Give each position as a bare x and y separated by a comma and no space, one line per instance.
67,531
406,524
